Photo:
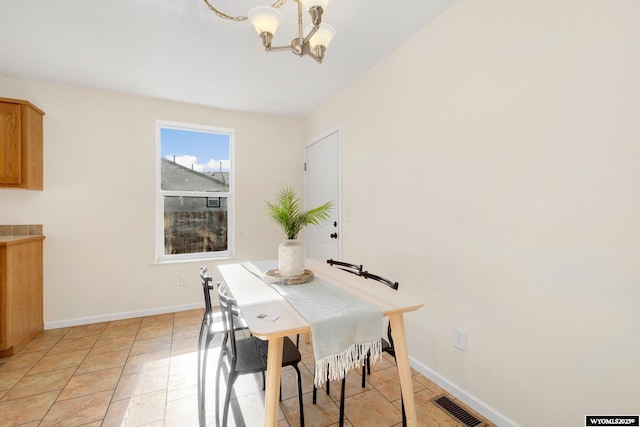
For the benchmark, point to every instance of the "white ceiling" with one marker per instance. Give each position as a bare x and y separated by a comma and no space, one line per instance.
179,50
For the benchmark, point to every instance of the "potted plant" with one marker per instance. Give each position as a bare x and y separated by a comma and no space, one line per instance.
288,213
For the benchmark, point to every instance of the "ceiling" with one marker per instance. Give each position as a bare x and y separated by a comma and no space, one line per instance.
179,50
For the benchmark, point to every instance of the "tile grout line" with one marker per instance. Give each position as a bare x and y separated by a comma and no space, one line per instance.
67,383
166,395
74,373
111,401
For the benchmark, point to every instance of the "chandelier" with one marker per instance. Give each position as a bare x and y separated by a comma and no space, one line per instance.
266,19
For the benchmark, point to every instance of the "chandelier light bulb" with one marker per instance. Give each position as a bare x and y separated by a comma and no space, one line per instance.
265,19
308,4
323,36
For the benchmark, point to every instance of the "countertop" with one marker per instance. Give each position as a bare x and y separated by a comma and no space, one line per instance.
13,240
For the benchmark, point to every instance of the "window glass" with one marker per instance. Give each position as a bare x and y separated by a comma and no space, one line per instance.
195,192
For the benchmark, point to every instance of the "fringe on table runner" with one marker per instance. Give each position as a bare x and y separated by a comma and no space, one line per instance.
335,366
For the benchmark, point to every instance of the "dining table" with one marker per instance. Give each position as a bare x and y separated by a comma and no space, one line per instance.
271,317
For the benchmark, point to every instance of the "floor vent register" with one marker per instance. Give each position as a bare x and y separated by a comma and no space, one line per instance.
457,412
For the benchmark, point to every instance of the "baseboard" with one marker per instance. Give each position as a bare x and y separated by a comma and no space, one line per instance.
119,316
464,396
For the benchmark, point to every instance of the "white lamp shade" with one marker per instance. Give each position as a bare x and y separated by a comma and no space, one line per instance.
323,36
308,4
265,19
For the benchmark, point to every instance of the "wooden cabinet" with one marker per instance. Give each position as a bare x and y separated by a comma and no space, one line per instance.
21,303
20,144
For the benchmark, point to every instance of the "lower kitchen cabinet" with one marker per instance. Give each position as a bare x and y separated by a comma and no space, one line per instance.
21,284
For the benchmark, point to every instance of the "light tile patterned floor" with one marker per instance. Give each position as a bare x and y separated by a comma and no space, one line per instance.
142,372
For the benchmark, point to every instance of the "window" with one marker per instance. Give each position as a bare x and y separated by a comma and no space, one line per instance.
195,192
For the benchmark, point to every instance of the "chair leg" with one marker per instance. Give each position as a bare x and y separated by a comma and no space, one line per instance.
205,352
201,380
200,349
227,398
218,372
300,395
204,324
315,389
205,321
328,383
342,388
366,369
344,380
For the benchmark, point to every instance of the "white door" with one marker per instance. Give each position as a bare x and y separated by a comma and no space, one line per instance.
322,184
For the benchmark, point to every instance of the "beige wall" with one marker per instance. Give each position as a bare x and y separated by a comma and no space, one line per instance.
98,206
504,136
491,166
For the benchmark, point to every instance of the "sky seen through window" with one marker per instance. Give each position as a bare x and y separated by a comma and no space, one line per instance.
200,151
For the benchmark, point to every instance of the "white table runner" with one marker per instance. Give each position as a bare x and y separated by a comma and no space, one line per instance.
344,328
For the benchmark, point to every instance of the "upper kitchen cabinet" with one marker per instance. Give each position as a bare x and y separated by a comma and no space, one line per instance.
20,144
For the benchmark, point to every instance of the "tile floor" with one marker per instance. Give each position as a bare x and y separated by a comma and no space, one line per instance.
142,372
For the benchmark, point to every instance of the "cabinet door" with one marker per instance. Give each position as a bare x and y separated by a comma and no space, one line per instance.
10,144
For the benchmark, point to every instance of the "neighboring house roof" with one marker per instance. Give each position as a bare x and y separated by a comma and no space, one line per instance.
180,178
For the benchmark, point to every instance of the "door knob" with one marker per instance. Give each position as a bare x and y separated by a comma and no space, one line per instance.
334,235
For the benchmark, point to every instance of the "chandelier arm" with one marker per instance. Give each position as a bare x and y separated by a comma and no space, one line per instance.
316,20
316,15
276,5
317,58
300,19
278,48
311,33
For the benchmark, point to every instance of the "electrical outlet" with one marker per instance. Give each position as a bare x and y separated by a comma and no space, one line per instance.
182,280
459,338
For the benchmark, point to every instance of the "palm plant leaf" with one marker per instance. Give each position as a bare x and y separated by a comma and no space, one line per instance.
288,213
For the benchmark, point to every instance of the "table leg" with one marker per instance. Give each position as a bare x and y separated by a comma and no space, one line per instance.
272,392
404,370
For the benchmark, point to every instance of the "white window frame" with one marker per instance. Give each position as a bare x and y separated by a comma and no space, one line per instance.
160,194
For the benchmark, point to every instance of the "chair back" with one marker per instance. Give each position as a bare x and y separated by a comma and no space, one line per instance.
392,285
389,283
227,307
207,287
346,266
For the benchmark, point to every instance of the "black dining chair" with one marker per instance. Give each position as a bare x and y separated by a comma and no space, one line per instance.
211,326
387,344
247,355
346,266
357,270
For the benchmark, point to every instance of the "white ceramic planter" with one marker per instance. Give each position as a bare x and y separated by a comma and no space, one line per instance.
291,258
